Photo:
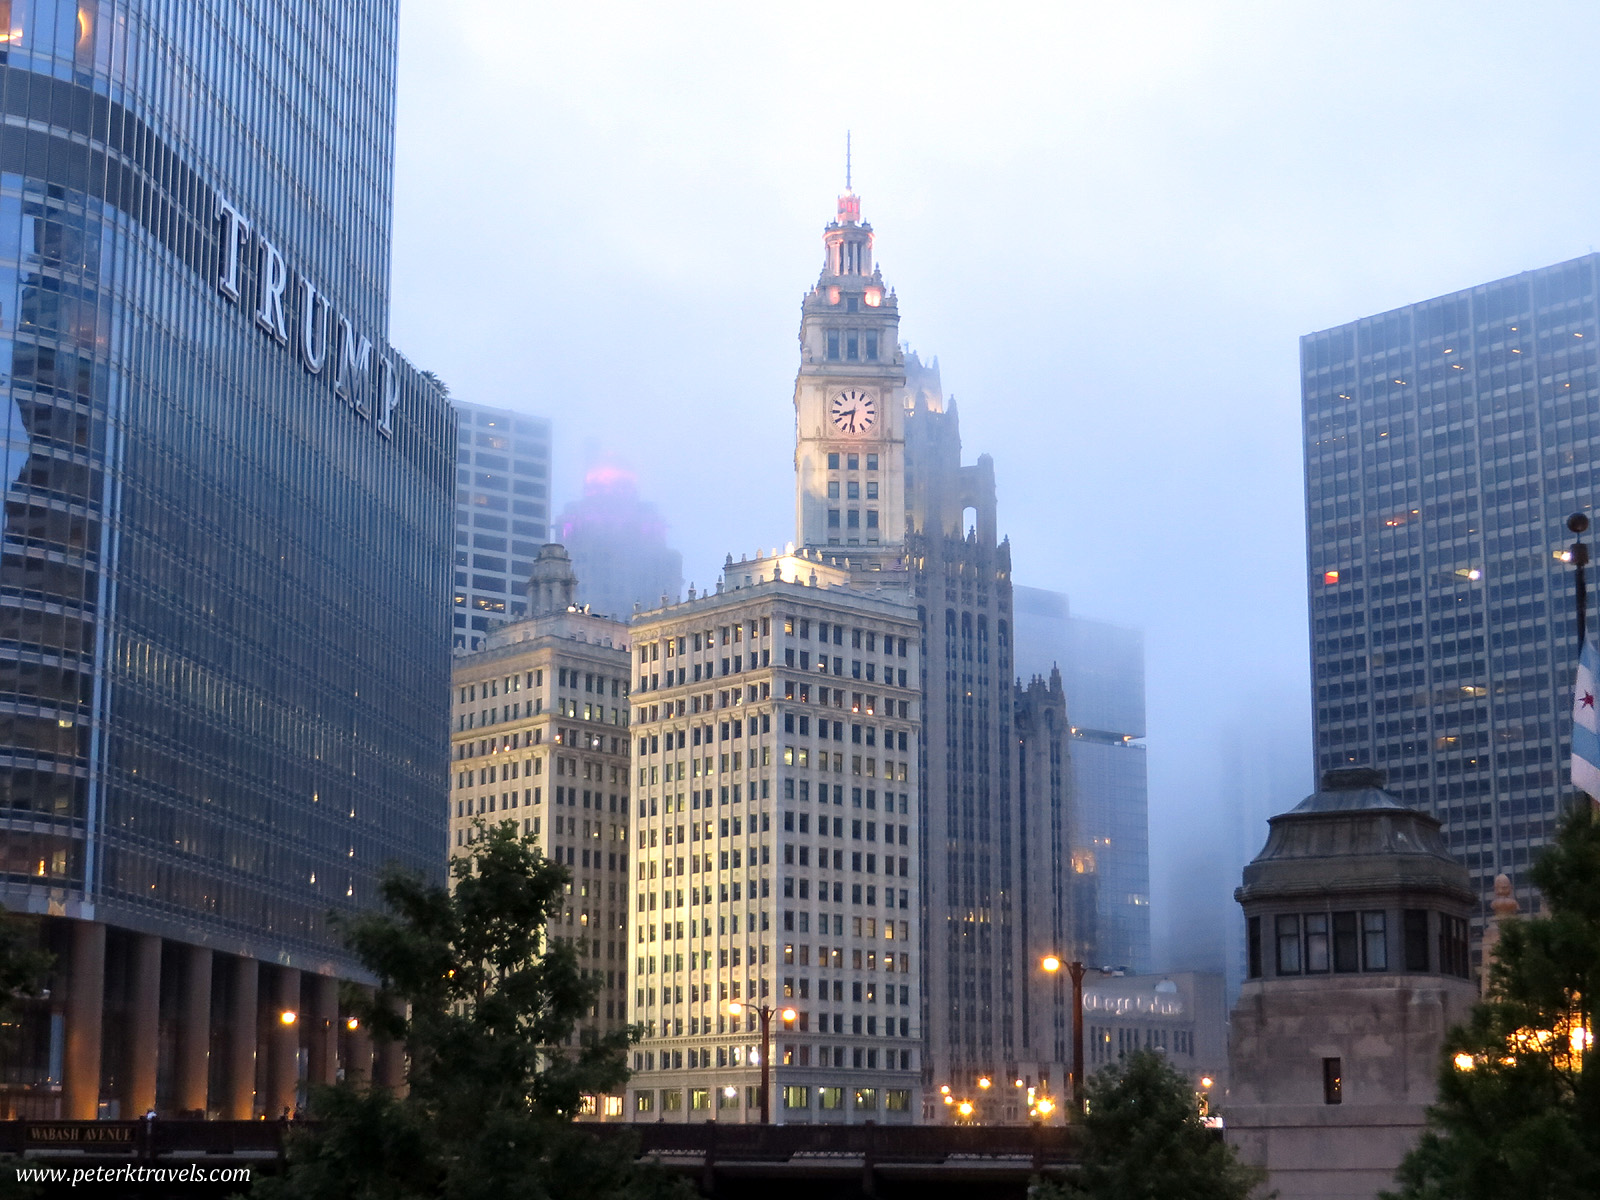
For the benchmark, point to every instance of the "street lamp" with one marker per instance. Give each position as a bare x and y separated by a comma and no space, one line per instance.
1075,969
765,1012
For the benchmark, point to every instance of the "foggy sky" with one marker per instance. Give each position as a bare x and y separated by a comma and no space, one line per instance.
1110,223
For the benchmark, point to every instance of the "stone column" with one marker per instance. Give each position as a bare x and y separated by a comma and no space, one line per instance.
283,1042
144,1025
80,1091
194,1032
239,1104
322,1029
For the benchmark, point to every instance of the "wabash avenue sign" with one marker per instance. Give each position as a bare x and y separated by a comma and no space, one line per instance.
313,308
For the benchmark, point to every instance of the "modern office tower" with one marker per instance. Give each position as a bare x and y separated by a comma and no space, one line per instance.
1102,671
223,583
540,738
776,850
502,506
618,543
1446,443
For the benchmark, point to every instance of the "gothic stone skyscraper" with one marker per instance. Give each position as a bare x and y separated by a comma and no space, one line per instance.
223,588
1446,443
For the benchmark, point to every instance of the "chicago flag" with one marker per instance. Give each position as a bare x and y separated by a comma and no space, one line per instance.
1586,724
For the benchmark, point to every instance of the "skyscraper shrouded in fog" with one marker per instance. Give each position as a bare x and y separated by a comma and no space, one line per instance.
227,503
1102,673
1446,443
502,506
618,543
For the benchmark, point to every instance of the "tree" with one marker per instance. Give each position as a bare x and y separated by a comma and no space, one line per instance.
1143,1139
22,965
485,1002
1519,1088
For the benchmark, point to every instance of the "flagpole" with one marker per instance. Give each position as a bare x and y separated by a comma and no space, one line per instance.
1578,523
1584,757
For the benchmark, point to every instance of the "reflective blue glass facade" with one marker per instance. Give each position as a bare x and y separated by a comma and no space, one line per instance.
228,503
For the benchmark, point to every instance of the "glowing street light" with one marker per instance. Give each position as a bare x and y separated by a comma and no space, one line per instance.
288,1016
766,1013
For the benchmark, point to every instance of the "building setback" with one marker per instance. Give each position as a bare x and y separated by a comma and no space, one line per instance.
1446,443
227,503
502,506
776,733
540,738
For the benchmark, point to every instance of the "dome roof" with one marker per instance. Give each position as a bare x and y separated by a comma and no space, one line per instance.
1353,837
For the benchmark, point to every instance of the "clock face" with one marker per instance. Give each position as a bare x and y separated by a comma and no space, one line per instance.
853,412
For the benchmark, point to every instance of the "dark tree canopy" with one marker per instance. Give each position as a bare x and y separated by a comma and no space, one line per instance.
1143,1139
485,1003
1520,1115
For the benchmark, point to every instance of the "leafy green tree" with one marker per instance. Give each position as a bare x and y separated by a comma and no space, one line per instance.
23,966
1520,1114
1143,1139
485,1002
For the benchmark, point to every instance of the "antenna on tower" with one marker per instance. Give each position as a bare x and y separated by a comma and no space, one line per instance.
847,160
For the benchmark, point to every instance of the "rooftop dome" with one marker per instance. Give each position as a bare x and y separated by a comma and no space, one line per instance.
1353,836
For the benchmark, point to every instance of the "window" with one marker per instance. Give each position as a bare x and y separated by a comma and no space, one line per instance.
852,462
872,345
1416,938
672,1099
897,1099
866,1099
1332,1082
1374,942
833,462
833,344
853,521
833,513
830,1098
699,1099
1288,928
1317,943
872,489
644,1102
1254,939
1453,947
872,462
796,1097
833,489
1346,942
728,1097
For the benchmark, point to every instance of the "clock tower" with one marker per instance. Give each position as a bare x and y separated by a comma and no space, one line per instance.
849,453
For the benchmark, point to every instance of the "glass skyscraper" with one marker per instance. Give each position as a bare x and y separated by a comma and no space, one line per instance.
223,592
1446,443
502,506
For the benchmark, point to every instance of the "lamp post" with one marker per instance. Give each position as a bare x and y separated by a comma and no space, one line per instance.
1075,970
765,1012
1578,523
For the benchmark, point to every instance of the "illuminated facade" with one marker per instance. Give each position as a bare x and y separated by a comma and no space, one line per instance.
227,506
776,731
539,737
1446,443
502,505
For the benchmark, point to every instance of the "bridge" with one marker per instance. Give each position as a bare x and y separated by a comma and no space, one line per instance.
726,1162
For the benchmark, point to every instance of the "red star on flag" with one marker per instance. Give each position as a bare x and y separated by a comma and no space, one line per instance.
1588,700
